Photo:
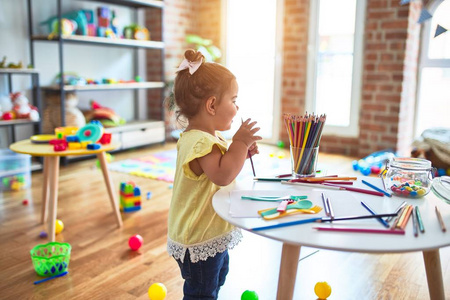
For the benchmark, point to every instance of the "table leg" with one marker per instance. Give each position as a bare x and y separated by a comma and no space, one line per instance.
45,189
288,271
433,269
104,165
53,164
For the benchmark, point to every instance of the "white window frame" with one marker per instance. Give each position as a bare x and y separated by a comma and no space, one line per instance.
278,64
313,44
424,60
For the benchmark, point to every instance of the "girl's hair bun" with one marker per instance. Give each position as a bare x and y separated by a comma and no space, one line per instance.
192,55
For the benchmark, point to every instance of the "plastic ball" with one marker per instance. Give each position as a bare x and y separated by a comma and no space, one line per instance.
157,291
43,234
25,202
135,242
280,144
322,290
59,226
249,295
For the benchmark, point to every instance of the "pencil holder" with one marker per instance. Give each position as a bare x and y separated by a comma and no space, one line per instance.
304,161
51,259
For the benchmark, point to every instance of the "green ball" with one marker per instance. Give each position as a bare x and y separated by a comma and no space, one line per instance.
280,144
249,295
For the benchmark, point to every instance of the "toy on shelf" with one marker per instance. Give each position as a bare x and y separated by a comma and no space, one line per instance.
136,32
105,115
75,18
22,108
373,162
11,65
90,136
130,197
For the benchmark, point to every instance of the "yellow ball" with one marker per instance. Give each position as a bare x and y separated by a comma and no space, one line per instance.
322,290
59,226
157,291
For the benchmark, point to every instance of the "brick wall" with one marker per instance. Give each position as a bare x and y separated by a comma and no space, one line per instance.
391,48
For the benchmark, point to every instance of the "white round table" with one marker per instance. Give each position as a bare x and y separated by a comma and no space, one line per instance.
345,203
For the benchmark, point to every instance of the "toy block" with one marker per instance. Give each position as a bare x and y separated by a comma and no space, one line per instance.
137,191
93,146
56,142
131,209
85,143
72,138
74,146
60,147
106,138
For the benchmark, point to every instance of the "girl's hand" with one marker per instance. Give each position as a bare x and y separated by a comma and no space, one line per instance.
246,134
253,150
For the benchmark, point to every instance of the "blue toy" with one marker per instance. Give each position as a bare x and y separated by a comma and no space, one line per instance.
373,162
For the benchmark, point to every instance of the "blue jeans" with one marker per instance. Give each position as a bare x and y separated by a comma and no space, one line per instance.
203,279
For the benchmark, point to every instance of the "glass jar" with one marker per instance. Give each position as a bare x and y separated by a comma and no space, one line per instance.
409,177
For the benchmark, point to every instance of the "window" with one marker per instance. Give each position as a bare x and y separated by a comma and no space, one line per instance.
334,63
253,54
433,100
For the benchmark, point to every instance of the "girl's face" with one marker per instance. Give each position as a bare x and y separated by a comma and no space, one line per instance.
227,108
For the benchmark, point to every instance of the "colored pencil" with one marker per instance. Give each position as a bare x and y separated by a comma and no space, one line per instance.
361,230
439,217
376,188
250,157
325,219
419,219
329,178
334,187
283,175
330,208
397,210
407,216
325,206
415,225
52,277
320,182
400,217
385,224
270,179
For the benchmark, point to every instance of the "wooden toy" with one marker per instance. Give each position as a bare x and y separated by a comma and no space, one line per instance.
130,197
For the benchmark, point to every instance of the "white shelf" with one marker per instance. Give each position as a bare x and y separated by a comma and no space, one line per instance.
133,3
17,122
96,40
18,71
135,125
112,86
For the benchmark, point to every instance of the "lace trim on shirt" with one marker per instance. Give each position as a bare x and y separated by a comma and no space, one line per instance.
205,249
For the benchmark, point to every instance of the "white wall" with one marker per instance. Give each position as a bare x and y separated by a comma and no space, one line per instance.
87,61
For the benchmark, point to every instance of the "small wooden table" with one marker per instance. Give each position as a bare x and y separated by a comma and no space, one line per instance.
51,174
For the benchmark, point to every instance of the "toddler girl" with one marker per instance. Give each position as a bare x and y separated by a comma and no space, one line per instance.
205,94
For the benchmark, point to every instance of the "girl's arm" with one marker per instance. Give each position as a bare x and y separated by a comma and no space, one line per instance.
223,169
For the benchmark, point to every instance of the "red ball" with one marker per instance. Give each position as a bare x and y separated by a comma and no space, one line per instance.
25,202
7,116
135,242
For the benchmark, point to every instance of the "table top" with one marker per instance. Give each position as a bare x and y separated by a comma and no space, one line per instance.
344,203
27,147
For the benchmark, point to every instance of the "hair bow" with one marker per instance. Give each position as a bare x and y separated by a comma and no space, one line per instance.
191,65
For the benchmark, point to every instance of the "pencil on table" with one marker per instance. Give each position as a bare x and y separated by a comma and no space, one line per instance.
325,206
441,222
250,157
330,208
397,210
376,188
408,214
415,225
419,219
385,224
402,216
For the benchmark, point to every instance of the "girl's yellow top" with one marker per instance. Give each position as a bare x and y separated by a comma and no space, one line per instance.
193,223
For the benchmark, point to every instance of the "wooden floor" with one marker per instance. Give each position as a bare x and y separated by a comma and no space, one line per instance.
103,267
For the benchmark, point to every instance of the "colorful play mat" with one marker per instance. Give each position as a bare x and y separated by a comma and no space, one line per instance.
159,166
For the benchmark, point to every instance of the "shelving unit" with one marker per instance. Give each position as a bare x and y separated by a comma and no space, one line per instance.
9,73
137,132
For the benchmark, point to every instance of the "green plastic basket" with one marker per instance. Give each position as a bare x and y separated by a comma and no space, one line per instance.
51,259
